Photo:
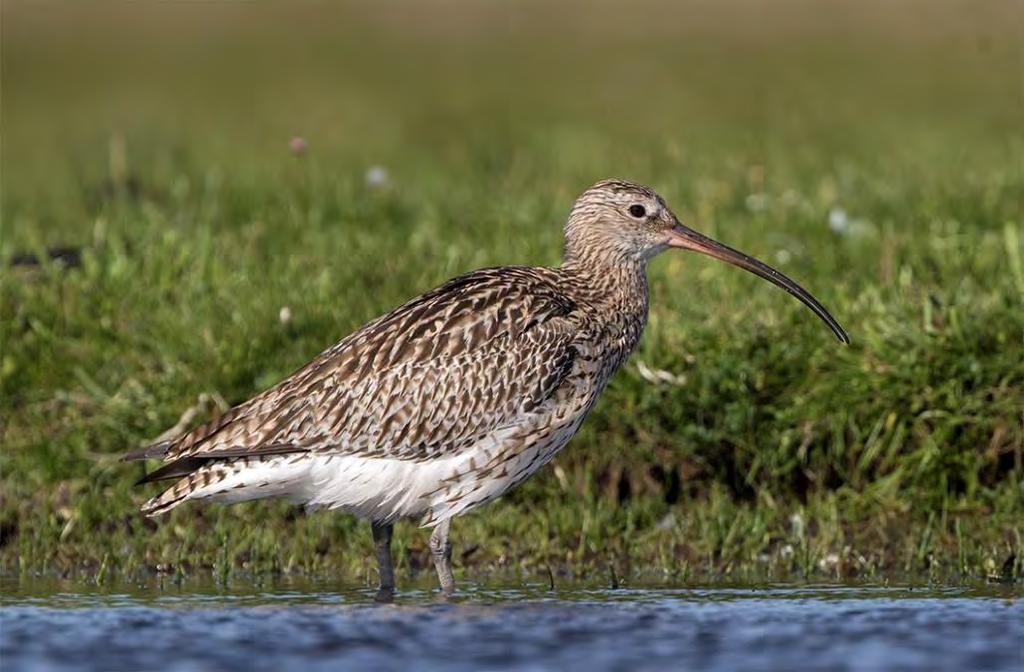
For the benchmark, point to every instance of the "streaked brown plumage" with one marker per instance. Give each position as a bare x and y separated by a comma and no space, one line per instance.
451,399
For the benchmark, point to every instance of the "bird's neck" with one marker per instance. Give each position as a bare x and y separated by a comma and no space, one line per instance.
614,282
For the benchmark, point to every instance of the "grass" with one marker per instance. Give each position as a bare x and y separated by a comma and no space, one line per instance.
874,156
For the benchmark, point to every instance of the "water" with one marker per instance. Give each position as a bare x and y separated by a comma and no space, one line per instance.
309,626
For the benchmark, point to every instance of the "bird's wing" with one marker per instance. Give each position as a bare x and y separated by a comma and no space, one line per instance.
430,378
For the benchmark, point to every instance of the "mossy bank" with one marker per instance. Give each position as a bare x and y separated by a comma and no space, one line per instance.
197,199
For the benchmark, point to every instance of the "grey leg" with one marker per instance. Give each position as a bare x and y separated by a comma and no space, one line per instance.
382,546
441,550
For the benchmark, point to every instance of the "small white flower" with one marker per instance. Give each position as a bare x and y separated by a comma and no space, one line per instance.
796,521
838,221
783,257
845,225
829,561
377,177
285,315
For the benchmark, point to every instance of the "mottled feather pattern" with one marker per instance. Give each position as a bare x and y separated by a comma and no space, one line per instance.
436,407
429,377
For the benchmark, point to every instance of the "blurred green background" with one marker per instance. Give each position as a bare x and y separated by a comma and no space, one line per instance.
872,150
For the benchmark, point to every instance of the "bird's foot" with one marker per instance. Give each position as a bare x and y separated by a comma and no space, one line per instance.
384,595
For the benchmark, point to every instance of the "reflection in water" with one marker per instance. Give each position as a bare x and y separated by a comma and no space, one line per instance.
305,626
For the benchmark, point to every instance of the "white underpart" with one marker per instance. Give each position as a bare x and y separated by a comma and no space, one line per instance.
386,488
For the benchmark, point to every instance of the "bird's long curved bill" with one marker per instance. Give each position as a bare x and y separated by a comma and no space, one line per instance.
688,239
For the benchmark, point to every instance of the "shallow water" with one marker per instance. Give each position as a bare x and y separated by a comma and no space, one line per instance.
49,625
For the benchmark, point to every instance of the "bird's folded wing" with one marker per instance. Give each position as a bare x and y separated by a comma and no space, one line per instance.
430,378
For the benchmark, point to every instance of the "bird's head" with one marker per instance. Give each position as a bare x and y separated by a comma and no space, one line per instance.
620,221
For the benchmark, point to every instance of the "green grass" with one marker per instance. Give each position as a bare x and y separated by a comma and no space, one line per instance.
155,139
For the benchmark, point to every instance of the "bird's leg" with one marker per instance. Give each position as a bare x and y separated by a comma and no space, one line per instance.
382,546
441,550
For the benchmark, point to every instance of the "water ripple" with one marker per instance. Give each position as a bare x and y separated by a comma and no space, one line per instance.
795,627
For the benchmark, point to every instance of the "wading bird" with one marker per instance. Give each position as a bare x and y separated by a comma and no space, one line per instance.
452,399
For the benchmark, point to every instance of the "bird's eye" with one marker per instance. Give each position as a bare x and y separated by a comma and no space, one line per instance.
637,211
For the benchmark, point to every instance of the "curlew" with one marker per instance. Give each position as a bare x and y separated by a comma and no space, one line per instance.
452,399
